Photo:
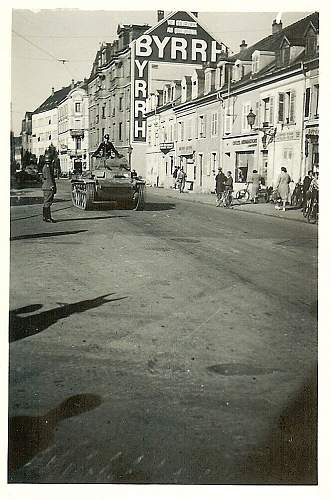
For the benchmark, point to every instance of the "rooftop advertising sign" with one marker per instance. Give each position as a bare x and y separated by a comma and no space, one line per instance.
178,38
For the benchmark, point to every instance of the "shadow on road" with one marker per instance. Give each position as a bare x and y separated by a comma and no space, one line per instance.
289,456
92,218
28,435
33,200
39,214
22,327
46,235
157,207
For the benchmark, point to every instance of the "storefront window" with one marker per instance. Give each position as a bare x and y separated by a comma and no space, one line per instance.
244,165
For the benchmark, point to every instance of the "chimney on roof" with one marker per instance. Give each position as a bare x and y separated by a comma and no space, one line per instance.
72,83
276,27
52,90
243,46
160,15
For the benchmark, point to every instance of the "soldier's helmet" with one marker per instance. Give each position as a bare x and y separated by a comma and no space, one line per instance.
48,158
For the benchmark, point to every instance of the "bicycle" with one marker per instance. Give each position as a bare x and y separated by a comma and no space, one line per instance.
243,194
311,209
297,196
227,198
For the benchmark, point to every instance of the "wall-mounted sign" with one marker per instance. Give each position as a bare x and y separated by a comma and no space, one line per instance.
178,39
185,150
252,141
292,135
166,146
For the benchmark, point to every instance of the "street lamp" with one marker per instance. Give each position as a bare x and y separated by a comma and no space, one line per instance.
268,132
251,118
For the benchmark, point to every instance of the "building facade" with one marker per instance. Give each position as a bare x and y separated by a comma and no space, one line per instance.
45,122
26,133
109,91
73,129
140,63
256,110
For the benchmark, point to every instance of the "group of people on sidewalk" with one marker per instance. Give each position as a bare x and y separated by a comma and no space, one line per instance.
223,187
281,192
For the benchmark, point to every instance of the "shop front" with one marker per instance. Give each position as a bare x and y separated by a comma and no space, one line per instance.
186,159
240,156
312,148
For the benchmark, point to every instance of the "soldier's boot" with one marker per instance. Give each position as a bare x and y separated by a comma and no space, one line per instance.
45,219
50,216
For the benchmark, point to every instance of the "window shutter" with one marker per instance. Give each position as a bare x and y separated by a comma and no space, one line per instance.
307,102
257,112
281,107
271,112
292,106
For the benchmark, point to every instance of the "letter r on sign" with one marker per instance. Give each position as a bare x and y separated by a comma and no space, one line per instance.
140,87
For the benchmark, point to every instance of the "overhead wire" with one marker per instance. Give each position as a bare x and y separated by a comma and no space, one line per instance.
45,51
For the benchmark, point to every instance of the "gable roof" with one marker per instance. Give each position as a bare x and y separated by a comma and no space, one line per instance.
53,100
294,33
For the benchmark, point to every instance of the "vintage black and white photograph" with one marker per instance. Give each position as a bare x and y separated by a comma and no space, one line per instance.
164,215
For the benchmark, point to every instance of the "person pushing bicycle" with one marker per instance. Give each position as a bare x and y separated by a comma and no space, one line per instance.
228,190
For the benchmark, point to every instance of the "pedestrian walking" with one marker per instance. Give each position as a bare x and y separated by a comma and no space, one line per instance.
181,179
174,176
220,180
283,187
227,199
254,185
49,188
305,187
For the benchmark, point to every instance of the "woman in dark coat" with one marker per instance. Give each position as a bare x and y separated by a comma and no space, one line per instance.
49,189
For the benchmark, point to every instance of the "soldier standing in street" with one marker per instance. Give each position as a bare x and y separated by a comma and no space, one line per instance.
49,188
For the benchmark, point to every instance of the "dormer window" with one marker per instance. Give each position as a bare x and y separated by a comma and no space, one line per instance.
311,46
255,64
283,56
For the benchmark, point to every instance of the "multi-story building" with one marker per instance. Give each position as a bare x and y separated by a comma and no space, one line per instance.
73,129
45,122
26,133
138,64
255,110
109,91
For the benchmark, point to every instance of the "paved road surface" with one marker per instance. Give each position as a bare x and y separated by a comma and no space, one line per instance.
185,336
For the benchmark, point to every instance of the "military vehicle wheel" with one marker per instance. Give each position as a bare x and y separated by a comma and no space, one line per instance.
139,198
83,195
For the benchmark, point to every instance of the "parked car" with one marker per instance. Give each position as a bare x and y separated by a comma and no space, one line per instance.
29,175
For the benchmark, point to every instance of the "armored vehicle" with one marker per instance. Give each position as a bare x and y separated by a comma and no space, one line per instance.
109,181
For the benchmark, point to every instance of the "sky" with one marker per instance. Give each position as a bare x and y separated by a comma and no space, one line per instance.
41,37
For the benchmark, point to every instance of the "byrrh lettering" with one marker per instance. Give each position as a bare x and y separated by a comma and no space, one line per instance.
140,88
180,48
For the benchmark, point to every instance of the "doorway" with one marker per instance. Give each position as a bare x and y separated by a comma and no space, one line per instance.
200,166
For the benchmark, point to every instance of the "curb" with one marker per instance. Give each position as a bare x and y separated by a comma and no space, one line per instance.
236,207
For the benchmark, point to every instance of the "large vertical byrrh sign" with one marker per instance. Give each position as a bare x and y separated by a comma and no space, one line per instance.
178,38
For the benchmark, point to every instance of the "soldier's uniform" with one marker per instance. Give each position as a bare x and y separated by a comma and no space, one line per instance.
49,190
106,148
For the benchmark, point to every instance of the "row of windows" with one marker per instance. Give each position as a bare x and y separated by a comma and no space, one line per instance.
42,122
99,112
181,131
118,132
268,111
44,136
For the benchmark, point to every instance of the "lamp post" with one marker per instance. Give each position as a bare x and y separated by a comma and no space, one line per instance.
268,132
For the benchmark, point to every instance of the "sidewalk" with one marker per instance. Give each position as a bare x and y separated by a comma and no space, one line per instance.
261,208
